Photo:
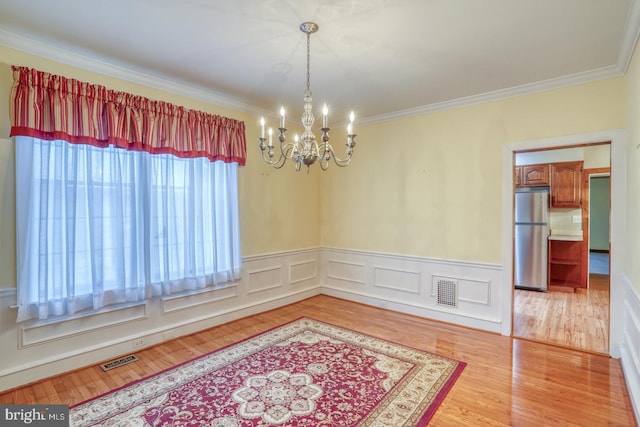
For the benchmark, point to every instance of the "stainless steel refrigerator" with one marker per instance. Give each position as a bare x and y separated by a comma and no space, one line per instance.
531,233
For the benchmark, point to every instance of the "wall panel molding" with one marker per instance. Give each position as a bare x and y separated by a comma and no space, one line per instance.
262,279
303,271
630,347
472,290
346,271
31,352
405,283
183,302
47,331
397,279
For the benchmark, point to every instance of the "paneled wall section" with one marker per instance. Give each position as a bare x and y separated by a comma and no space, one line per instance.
630,348
458,292
35,350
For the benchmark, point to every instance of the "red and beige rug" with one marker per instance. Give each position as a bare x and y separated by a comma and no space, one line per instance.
304,373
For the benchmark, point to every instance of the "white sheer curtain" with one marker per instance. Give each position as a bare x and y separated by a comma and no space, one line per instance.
101,226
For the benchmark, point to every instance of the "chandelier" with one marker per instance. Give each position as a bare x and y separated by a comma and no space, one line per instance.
305,149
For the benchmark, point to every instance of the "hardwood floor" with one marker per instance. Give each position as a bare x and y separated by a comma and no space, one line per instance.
577,320
506,382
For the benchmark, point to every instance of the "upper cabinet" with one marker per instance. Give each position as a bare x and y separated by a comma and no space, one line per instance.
532,175
566,184
535,175
563,179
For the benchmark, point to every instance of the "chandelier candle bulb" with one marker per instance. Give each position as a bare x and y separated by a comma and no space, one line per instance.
261,127
350,129
325,112
270,137
282,117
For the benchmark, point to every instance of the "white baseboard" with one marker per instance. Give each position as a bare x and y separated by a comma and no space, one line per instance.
460,319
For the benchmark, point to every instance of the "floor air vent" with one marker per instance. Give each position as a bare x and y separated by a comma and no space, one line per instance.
119,362
447,292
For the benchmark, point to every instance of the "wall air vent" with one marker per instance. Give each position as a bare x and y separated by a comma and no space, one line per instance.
447,292
119,362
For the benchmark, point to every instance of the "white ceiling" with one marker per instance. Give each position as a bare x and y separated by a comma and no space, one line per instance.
382,58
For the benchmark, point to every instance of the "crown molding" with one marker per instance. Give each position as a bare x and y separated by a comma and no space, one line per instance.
54,53
630,36
627,46
526,89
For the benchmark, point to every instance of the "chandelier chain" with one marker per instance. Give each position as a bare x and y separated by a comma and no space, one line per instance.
308,62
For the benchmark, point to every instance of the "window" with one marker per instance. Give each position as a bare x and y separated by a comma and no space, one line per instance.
119,197
101,226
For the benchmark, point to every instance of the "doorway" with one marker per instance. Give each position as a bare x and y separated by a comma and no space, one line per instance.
579,318
598,223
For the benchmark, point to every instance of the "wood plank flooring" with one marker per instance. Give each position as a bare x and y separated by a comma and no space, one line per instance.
577,320
507,382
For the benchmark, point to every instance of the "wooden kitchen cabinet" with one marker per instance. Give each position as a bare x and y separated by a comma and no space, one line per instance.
565,265
566,185
532,175
535,175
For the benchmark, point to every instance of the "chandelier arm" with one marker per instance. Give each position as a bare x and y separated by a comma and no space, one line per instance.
351,143
276,164
286,152
328,152
341,162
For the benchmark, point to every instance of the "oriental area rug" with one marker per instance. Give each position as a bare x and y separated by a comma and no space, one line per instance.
304,373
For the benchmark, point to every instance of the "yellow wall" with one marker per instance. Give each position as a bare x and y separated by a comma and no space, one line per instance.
278,210
431,185
428,185
632,267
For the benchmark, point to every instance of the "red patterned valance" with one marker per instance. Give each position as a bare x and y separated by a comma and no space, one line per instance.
50,107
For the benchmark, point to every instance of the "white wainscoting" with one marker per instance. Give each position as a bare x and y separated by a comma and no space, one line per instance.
630,347
409,284
32,351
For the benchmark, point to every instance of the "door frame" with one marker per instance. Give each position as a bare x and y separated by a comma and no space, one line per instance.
618,164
